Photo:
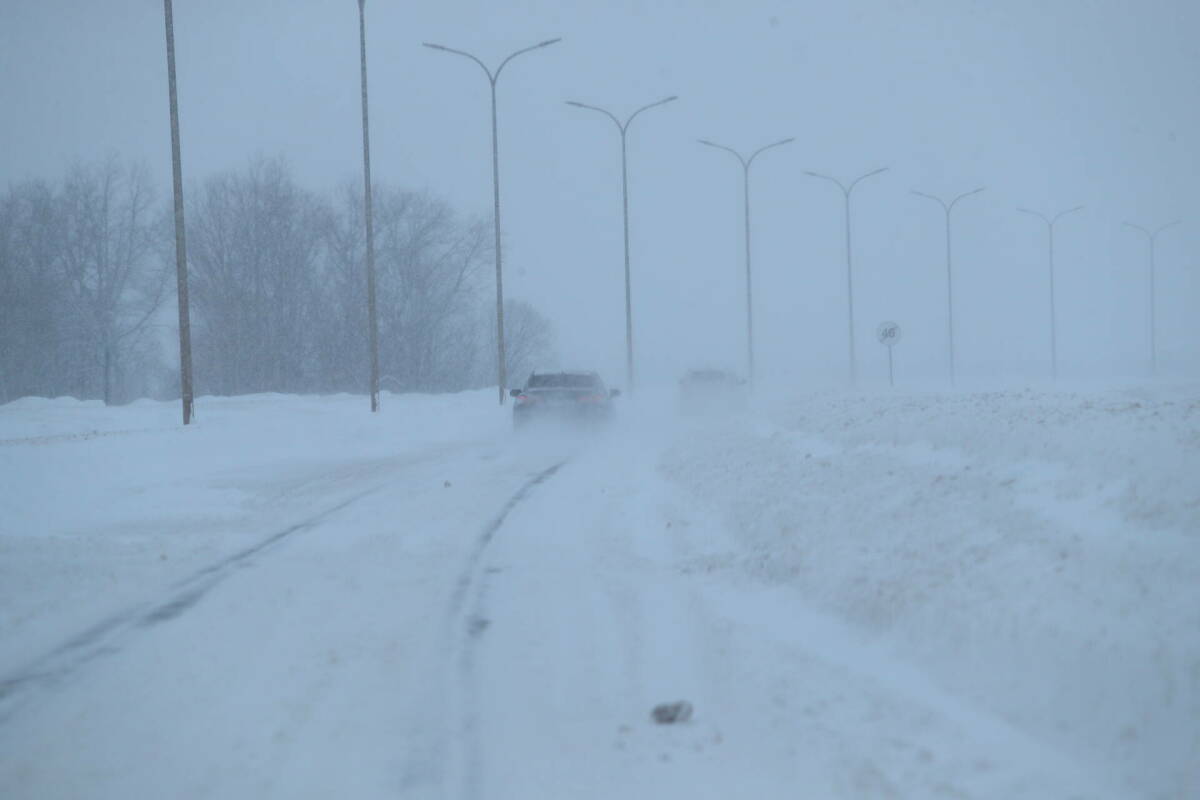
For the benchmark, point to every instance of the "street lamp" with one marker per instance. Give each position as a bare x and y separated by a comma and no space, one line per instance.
1050,222
502,367
181,272
623,127
372,324
746,162
846,190
1152,236
948,207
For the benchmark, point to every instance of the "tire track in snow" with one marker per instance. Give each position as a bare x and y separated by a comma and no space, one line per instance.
467,624
108,636
468,576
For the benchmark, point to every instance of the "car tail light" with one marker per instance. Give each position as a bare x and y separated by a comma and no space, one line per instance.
526,399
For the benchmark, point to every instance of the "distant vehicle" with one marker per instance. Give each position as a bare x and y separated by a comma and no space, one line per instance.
573,397
711,390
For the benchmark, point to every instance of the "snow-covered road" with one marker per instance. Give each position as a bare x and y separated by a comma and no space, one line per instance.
295,600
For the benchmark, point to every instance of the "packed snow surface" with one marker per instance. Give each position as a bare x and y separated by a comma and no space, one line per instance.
860,595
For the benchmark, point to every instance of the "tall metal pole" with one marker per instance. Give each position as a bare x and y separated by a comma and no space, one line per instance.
623,127
1053,314
1050,223
853,360
501,360
372,323
749,280
181,275
746,162
950,298
846,191
629,378
1152,236
948,208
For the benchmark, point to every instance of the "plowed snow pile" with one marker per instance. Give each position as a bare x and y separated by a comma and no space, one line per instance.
1036,553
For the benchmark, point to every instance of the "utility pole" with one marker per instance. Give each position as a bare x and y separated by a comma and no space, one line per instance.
949,207
1152,236
846,190
372,322
746,162
1050,222
623,127
501,360
181,275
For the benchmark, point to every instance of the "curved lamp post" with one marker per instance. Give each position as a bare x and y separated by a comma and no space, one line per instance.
1152,236
493,76
623,127
846,190
949,207
1050,222
746,162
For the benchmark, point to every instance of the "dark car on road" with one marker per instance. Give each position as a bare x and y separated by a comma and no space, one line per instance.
572,397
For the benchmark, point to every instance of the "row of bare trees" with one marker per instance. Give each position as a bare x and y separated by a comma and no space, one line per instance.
79,284
277,298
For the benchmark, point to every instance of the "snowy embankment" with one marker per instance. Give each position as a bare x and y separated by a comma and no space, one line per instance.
1036,553
984,595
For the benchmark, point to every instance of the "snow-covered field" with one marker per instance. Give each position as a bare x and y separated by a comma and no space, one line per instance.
980,595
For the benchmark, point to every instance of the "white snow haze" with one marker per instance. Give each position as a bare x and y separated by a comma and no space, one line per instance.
726,534
1049,105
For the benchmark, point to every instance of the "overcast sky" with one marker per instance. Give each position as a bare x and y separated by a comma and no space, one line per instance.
1048,103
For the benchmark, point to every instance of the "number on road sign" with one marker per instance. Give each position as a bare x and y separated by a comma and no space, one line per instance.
888,333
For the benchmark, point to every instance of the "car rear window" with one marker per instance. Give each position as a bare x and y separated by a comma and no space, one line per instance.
563,381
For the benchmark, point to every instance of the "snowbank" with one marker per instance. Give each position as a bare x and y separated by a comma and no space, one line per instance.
1035,552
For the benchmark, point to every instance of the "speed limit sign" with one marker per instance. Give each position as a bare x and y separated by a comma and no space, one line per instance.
888,333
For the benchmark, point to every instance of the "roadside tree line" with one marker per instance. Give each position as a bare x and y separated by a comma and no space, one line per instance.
278,302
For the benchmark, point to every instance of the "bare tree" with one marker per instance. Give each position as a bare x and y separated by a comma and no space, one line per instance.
529,339
430,266
342,352
113,284
275,284
430,271
79,282
255,241
29,291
